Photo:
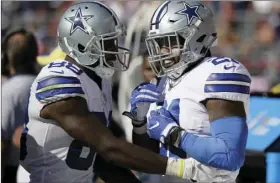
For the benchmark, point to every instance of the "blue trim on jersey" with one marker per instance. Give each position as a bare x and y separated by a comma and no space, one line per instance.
214,88
57,80
59,91
229,77
174,109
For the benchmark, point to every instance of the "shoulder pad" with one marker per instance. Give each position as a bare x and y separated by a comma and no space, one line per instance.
56,82
227,79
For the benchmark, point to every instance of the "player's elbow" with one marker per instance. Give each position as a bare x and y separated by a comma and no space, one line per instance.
232,161
236,160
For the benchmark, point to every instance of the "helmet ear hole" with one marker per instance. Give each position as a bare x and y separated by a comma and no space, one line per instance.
201,38
203,50
181,40
81,48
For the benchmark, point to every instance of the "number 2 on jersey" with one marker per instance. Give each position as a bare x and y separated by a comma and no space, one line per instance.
218,61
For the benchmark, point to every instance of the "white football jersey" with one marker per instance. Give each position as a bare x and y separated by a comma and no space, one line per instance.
48,153
214,77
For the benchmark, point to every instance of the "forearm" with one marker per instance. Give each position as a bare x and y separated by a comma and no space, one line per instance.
141,138
111,173
137,158
112,149
225,149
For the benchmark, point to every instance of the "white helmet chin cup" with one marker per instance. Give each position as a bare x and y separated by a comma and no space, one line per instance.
102,72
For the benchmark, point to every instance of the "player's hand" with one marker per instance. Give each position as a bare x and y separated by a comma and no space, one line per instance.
160,125
141,98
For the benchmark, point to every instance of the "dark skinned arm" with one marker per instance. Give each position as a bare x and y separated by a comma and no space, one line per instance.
143,139
111,173
73,116
218,108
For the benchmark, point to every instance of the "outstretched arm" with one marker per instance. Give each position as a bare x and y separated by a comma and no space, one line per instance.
73,116
111,173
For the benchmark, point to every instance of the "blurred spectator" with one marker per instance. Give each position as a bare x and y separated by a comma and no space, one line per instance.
56,54
276,89
19,52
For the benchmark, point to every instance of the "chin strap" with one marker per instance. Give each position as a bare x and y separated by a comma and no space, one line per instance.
102,72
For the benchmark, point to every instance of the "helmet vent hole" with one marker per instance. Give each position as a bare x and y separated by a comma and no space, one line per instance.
86,7
172,21
81,48
201,38
72,10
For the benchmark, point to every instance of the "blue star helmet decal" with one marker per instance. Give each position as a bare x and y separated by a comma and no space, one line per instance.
190,12
77,22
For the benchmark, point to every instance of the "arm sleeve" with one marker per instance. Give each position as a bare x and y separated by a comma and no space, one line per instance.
224,149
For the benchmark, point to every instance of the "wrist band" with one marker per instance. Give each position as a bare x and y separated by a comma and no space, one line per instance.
182,168
140,130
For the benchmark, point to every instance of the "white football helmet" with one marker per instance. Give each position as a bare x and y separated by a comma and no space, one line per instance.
184,28
89,32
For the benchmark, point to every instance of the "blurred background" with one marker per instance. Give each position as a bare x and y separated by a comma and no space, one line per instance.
248,31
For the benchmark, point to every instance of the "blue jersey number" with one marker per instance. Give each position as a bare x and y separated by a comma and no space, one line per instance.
218,61
79,156
68,65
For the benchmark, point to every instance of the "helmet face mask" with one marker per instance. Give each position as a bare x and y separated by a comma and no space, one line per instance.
168,50
94,41
181,33
113,55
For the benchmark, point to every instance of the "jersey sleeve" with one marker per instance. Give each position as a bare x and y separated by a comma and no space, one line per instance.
229,80
58,83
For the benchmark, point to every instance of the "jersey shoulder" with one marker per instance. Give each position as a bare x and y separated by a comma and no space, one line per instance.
226,78
224,65
58,80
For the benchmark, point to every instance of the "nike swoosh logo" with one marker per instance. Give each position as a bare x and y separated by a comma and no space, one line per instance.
230,67
58,72
154,126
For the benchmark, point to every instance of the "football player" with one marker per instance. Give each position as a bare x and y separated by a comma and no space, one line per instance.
70,107
206,98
